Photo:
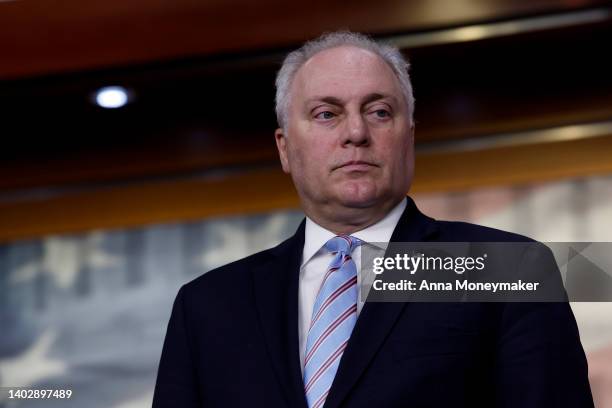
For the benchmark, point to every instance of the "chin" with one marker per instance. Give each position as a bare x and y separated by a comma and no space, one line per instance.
358,194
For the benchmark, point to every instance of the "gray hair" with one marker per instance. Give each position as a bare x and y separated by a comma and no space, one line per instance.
294,61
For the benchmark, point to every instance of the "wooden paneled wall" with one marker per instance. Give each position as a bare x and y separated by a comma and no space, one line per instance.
266,188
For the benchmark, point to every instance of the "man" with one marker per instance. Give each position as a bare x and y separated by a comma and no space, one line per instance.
286,328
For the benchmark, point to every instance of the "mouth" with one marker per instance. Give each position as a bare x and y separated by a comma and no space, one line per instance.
355,165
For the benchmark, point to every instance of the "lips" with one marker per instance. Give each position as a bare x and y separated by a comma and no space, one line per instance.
356,165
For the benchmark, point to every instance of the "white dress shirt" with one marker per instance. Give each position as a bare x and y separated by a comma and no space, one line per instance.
315,261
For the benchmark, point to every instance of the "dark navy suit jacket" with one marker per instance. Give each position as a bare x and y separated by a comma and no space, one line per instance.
232,341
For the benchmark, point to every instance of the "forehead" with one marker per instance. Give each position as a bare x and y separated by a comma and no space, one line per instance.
345,72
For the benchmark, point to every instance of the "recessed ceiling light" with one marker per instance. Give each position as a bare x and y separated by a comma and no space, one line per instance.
112,97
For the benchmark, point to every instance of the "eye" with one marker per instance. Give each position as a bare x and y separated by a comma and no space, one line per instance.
382,113
325,115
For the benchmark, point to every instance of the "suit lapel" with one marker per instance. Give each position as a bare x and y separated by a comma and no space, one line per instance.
276,299
376,319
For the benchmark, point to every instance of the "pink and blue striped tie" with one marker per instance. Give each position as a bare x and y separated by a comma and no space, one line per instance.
333,317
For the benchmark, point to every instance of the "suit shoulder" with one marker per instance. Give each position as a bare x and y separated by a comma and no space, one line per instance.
233,273
468,232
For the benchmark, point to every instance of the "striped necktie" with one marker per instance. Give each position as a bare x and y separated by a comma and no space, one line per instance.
333,317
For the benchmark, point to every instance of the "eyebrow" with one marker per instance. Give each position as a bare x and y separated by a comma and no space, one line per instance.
377,96
332,100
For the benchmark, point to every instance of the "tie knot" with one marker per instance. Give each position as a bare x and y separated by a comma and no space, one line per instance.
342,243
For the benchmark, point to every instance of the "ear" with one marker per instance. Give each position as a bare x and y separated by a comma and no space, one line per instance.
281,145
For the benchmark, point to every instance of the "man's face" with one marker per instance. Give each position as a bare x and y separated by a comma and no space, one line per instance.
349,141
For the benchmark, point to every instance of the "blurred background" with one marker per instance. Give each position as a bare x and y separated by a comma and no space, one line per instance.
137,153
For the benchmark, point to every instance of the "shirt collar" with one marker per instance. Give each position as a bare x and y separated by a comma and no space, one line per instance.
315,236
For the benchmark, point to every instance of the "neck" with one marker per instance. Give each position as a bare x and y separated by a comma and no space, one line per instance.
348,220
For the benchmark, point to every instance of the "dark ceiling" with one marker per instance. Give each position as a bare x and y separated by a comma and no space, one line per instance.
42,37
202,74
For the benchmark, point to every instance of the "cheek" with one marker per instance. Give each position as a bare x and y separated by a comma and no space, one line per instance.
393,146
399,155
314,153
306,160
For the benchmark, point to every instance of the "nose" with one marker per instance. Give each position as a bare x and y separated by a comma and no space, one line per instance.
357,132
